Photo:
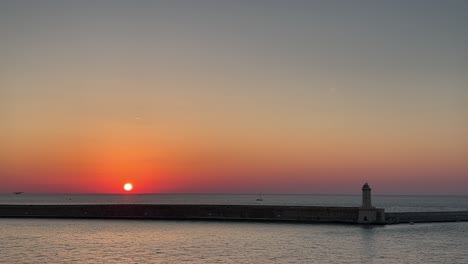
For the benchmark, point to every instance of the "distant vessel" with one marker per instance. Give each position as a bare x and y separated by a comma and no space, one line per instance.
17,193
259,199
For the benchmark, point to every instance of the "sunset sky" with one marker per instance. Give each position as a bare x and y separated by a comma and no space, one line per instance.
234,96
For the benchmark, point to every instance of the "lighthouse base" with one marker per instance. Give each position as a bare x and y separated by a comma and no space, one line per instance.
371,216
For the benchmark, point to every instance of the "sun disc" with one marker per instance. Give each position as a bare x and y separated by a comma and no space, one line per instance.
128,187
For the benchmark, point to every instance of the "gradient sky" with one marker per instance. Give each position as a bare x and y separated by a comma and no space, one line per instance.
234,96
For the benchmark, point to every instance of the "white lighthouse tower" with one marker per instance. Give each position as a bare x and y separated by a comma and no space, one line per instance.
366,196
367,213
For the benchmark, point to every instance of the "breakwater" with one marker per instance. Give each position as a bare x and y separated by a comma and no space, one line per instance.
303,214
194,212
424,217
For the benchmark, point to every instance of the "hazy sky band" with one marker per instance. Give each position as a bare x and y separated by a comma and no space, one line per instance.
234,96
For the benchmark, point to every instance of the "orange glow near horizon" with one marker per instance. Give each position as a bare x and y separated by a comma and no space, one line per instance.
306,99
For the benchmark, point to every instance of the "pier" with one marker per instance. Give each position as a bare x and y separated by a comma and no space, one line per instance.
426,217
188,212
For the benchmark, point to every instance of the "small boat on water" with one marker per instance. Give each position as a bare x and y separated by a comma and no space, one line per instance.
16,193
259,199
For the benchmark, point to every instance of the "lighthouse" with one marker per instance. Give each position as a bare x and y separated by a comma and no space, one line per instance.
366,196
367,213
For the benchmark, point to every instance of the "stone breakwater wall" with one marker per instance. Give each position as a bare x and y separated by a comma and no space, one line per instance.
422,217
304,214
188,212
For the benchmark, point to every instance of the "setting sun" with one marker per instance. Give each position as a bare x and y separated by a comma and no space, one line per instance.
128,187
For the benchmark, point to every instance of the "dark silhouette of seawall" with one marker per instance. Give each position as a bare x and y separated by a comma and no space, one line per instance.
187,212
425,217
271,213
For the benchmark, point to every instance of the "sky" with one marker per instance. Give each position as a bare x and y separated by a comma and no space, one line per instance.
234,96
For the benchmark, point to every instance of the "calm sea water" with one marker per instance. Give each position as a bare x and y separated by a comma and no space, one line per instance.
147,241
128,241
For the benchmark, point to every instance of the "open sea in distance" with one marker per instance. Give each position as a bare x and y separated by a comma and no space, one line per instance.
160,241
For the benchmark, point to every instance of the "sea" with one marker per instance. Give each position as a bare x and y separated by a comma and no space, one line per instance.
161,241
